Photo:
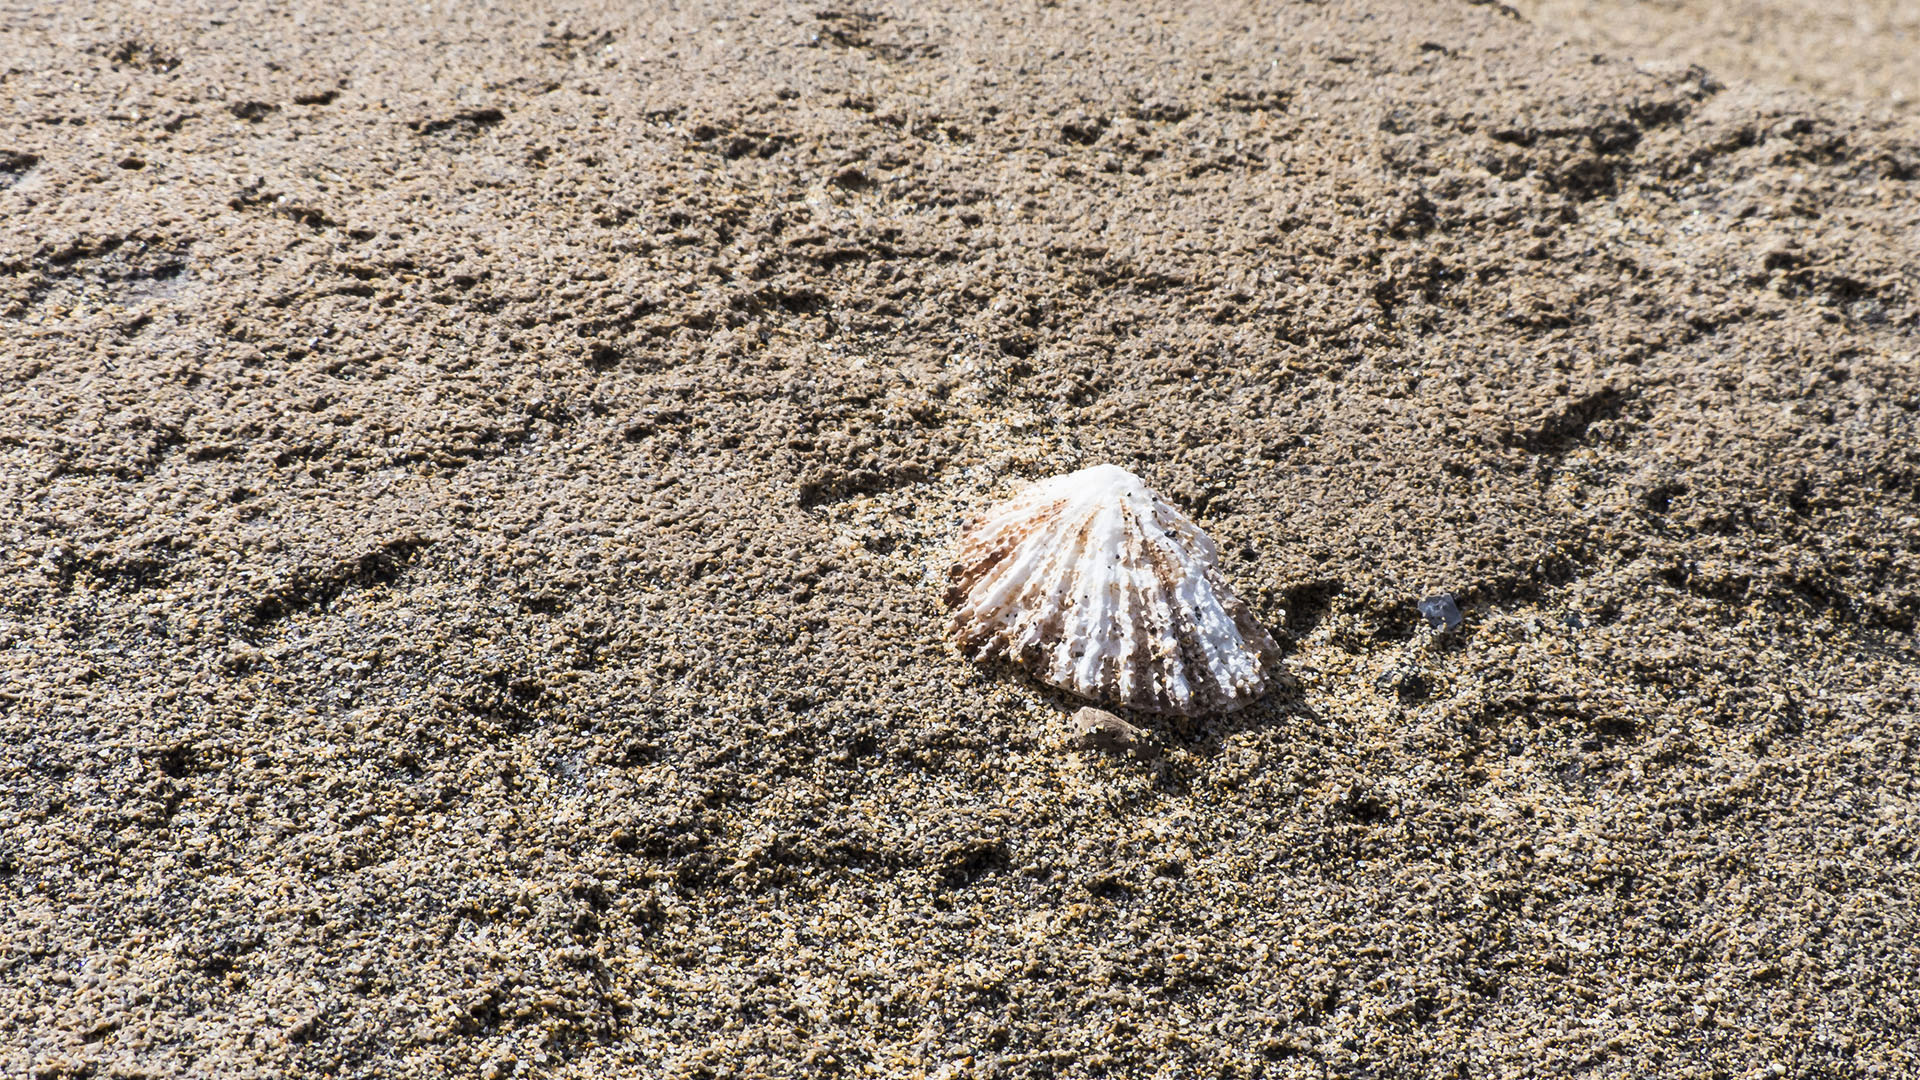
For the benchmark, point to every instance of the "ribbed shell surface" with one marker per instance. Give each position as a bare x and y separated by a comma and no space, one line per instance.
1098,587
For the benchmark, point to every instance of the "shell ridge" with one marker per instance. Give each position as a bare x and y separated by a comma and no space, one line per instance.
1054,616
1206,610
1131,662
1014,576
1081,636
1173,688
1103,585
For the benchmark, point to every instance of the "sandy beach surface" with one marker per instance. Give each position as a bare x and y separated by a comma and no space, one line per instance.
475,486
1866,51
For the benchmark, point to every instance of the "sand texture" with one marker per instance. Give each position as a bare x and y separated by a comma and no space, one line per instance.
475,484
1864,50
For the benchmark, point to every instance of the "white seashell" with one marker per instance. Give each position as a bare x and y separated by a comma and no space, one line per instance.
1096,586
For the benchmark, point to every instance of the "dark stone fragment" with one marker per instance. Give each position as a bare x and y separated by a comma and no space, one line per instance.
1441,612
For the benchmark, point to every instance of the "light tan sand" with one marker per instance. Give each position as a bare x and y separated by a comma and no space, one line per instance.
1864,50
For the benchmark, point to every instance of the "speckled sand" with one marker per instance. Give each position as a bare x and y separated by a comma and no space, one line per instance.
473,488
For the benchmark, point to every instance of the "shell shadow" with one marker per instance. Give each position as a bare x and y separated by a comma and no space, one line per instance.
1284,706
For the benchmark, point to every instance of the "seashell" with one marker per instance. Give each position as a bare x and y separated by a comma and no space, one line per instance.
1096,586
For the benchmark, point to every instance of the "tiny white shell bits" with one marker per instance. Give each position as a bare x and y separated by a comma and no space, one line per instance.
1096,586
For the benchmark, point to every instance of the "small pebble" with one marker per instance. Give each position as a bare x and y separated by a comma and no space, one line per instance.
1098,729
1406,684
1441,612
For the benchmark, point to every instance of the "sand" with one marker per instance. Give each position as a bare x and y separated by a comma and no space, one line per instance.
1867,51
474,485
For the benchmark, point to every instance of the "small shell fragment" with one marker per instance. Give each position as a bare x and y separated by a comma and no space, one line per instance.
1097,586
1098,729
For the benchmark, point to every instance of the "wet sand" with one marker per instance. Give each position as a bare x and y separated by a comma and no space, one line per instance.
476,484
